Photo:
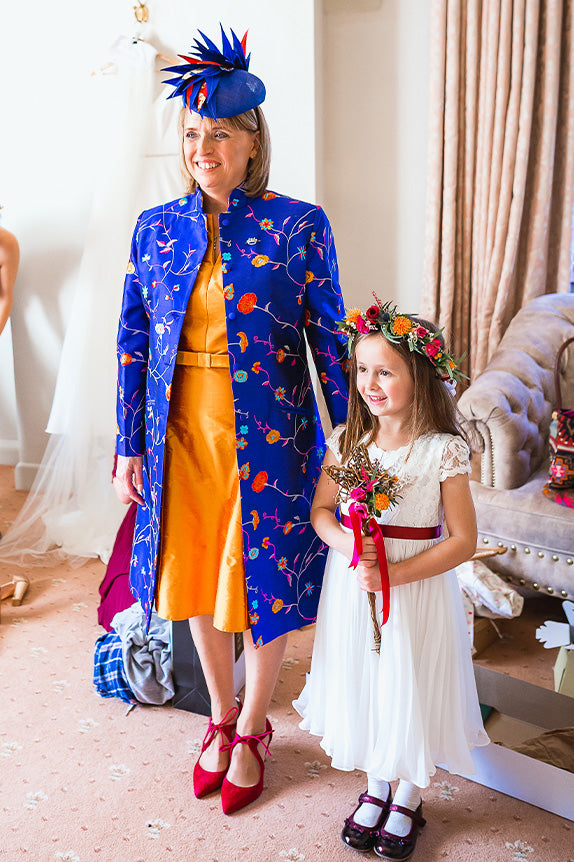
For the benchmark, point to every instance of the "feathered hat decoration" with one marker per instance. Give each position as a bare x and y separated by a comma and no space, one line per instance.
216,83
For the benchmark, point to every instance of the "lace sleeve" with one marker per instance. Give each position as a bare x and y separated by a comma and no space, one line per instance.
333,441
455,458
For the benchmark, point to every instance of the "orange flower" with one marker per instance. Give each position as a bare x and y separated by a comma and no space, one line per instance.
288,527
309,276
383,501
255,515
168,392
267,196
247,303
280,355
125,359
260,481
228,292
260,260
243,341
353,314
256,367
131,268
244,471
324,376
307,317
277,605
265,542
273,436
402,325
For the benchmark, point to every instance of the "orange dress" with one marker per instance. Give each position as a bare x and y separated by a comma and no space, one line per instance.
200,567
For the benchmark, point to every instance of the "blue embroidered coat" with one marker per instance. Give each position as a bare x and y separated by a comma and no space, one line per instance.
280,284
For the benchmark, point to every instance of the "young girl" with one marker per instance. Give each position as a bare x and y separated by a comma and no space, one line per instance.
397,714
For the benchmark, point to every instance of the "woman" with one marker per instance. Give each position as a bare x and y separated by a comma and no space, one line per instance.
222,287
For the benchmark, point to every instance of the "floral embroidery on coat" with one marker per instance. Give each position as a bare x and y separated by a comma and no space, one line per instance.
281,292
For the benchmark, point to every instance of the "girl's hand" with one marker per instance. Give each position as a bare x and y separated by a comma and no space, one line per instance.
368,572
129,473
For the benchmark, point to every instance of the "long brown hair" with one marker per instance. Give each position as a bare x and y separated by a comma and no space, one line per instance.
433,405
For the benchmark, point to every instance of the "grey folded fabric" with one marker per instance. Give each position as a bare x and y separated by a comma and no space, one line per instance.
147,658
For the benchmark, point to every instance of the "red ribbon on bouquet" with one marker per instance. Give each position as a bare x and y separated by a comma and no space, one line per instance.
357,519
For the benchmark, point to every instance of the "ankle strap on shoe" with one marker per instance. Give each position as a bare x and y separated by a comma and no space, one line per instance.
226,722
366,797
257,737
408,812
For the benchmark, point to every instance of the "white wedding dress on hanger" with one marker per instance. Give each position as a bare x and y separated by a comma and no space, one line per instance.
72,510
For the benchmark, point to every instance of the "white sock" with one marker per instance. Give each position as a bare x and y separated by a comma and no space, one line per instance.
367,813
407,796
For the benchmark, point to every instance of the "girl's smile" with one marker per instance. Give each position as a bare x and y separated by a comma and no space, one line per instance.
384,380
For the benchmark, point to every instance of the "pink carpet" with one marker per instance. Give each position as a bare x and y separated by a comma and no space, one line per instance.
82,780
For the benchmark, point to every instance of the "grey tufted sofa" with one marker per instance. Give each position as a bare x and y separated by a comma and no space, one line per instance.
509,406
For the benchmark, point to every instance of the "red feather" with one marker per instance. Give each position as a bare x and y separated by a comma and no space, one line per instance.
196,62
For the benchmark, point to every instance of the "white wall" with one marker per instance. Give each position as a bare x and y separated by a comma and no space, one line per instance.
374,142
347,107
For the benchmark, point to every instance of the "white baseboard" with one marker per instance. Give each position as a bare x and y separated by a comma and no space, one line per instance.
24,475
9,452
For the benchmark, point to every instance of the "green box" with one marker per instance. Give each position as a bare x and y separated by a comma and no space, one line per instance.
564,672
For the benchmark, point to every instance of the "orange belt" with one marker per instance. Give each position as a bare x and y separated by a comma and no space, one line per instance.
202,360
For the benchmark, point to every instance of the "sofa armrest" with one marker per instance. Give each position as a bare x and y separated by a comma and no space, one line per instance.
510,415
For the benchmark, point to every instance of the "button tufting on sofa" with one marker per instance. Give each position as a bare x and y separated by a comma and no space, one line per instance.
509,407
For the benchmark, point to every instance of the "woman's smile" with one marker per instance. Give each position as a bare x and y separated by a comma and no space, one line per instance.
207,166
217,156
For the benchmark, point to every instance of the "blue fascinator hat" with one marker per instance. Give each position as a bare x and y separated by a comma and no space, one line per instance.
216,83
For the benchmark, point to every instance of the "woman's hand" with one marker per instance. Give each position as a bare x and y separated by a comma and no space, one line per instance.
129,473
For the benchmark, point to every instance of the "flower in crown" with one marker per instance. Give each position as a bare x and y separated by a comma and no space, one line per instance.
397,327
216,83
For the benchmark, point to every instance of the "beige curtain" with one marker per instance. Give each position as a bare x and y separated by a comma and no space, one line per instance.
501,165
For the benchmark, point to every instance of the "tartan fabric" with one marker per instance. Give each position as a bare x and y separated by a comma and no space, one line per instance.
109,676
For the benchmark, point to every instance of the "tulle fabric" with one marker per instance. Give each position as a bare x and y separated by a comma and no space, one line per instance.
71,510
400,714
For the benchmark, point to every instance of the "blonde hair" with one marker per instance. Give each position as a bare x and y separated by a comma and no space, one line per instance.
258,169
433,406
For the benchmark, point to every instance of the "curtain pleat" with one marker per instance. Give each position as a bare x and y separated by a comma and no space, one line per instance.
501,165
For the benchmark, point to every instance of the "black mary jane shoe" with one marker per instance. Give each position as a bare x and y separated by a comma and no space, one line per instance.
364,838
394,848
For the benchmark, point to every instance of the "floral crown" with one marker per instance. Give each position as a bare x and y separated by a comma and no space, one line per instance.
396,327
216,83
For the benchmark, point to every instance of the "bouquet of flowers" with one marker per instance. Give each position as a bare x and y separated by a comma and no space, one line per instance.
370,489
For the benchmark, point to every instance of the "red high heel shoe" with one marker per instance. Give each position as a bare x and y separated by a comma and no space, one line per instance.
205,782
234,797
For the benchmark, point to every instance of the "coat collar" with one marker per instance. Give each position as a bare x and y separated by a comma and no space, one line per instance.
237,200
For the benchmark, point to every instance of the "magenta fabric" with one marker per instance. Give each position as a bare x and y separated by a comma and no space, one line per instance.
115,588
